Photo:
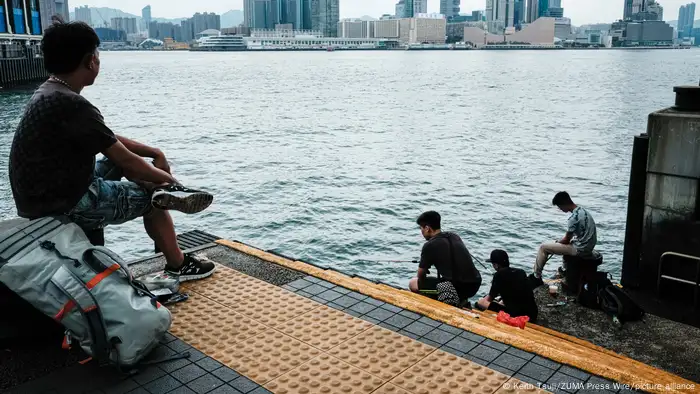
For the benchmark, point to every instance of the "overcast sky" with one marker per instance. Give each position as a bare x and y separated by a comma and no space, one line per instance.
580,11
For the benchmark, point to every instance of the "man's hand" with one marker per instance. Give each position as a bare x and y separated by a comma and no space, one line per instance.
161,162
483,304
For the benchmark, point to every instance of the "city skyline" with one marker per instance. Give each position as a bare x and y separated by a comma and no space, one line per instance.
592,11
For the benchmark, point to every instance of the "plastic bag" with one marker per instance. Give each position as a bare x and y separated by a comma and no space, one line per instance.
519,321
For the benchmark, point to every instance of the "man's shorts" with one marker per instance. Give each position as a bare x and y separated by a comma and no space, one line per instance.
445,291
110,200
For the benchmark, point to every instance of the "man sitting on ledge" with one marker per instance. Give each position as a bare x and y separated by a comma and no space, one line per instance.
458,279
580,238
53,169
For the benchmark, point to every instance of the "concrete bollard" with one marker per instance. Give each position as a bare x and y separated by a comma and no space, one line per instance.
671,221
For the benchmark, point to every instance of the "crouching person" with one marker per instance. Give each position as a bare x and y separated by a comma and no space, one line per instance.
513,286
457,279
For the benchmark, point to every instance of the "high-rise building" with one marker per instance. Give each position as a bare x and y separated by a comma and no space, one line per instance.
47,9
533,10
633,7
400,9
145,18
500,15
686,20
425,29
128,25
351,28
450,8
261,14
420,7
519,16
325,15
63,10
83,14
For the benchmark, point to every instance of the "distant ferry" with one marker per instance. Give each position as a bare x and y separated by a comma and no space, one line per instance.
221,43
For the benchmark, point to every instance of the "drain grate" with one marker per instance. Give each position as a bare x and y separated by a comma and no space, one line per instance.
195,239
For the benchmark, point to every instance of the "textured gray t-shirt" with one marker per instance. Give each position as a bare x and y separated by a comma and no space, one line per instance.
582,225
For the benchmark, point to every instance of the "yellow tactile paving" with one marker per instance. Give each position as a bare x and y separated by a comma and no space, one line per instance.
266,303
266,356
210,326
325,374
445,373
291,344
325,327
515,386
381,352
390,389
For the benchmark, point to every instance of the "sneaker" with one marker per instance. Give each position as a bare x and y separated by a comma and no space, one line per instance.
196,267
180,198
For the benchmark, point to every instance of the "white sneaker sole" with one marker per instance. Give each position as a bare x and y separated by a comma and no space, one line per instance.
189,203
187,278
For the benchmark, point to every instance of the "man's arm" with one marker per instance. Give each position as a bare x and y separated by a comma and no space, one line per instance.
134,167
139,148
143,150
567,238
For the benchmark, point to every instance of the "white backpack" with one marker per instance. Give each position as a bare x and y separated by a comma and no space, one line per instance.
50,263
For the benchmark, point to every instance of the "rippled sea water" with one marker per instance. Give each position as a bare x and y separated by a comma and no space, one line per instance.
330,157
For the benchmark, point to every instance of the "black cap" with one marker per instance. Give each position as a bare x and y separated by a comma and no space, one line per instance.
499,257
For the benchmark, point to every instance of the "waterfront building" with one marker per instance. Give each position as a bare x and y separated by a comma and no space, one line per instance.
450,8
562,28
20,18
555,10
686,20
83,14
632,7
236,31
388,29
190,27
455,30
126,24
539,32
519,16
161,31
352,28
423,29
261,14
325,15
648,33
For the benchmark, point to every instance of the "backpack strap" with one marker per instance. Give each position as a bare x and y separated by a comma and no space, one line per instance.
20,237
81,297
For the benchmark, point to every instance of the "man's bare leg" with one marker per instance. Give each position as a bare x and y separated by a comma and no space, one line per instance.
160,227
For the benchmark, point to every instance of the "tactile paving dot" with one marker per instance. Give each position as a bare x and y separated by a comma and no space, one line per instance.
266,303
210,326
516,386
325,375
445,373
324,327
266,356
381,352
390,389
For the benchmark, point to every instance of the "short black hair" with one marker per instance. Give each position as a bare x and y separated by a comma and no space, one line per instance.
561,199
499,257
430,218
65,46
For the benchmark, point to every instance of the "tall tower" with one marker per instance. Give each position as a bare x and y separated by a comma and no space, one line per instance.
450,8
533,10
420,6
325,15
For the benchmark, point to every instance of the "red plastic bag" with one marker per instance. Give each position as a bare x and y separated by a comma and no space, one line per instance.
519,321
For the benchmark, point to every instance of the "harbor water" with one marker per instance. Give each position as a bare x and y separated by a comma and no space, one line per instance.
330,157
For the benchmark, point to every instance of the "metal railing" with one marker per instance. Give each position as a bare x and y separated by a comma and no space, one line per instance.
696,284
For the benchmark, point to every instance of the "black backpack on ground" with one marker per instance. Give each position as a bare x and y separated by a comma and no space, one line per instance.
616,303
589,289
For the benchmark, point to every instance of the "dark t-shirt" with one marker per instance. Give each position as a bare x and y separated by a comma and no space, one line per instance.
52,159
436,253
512,285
